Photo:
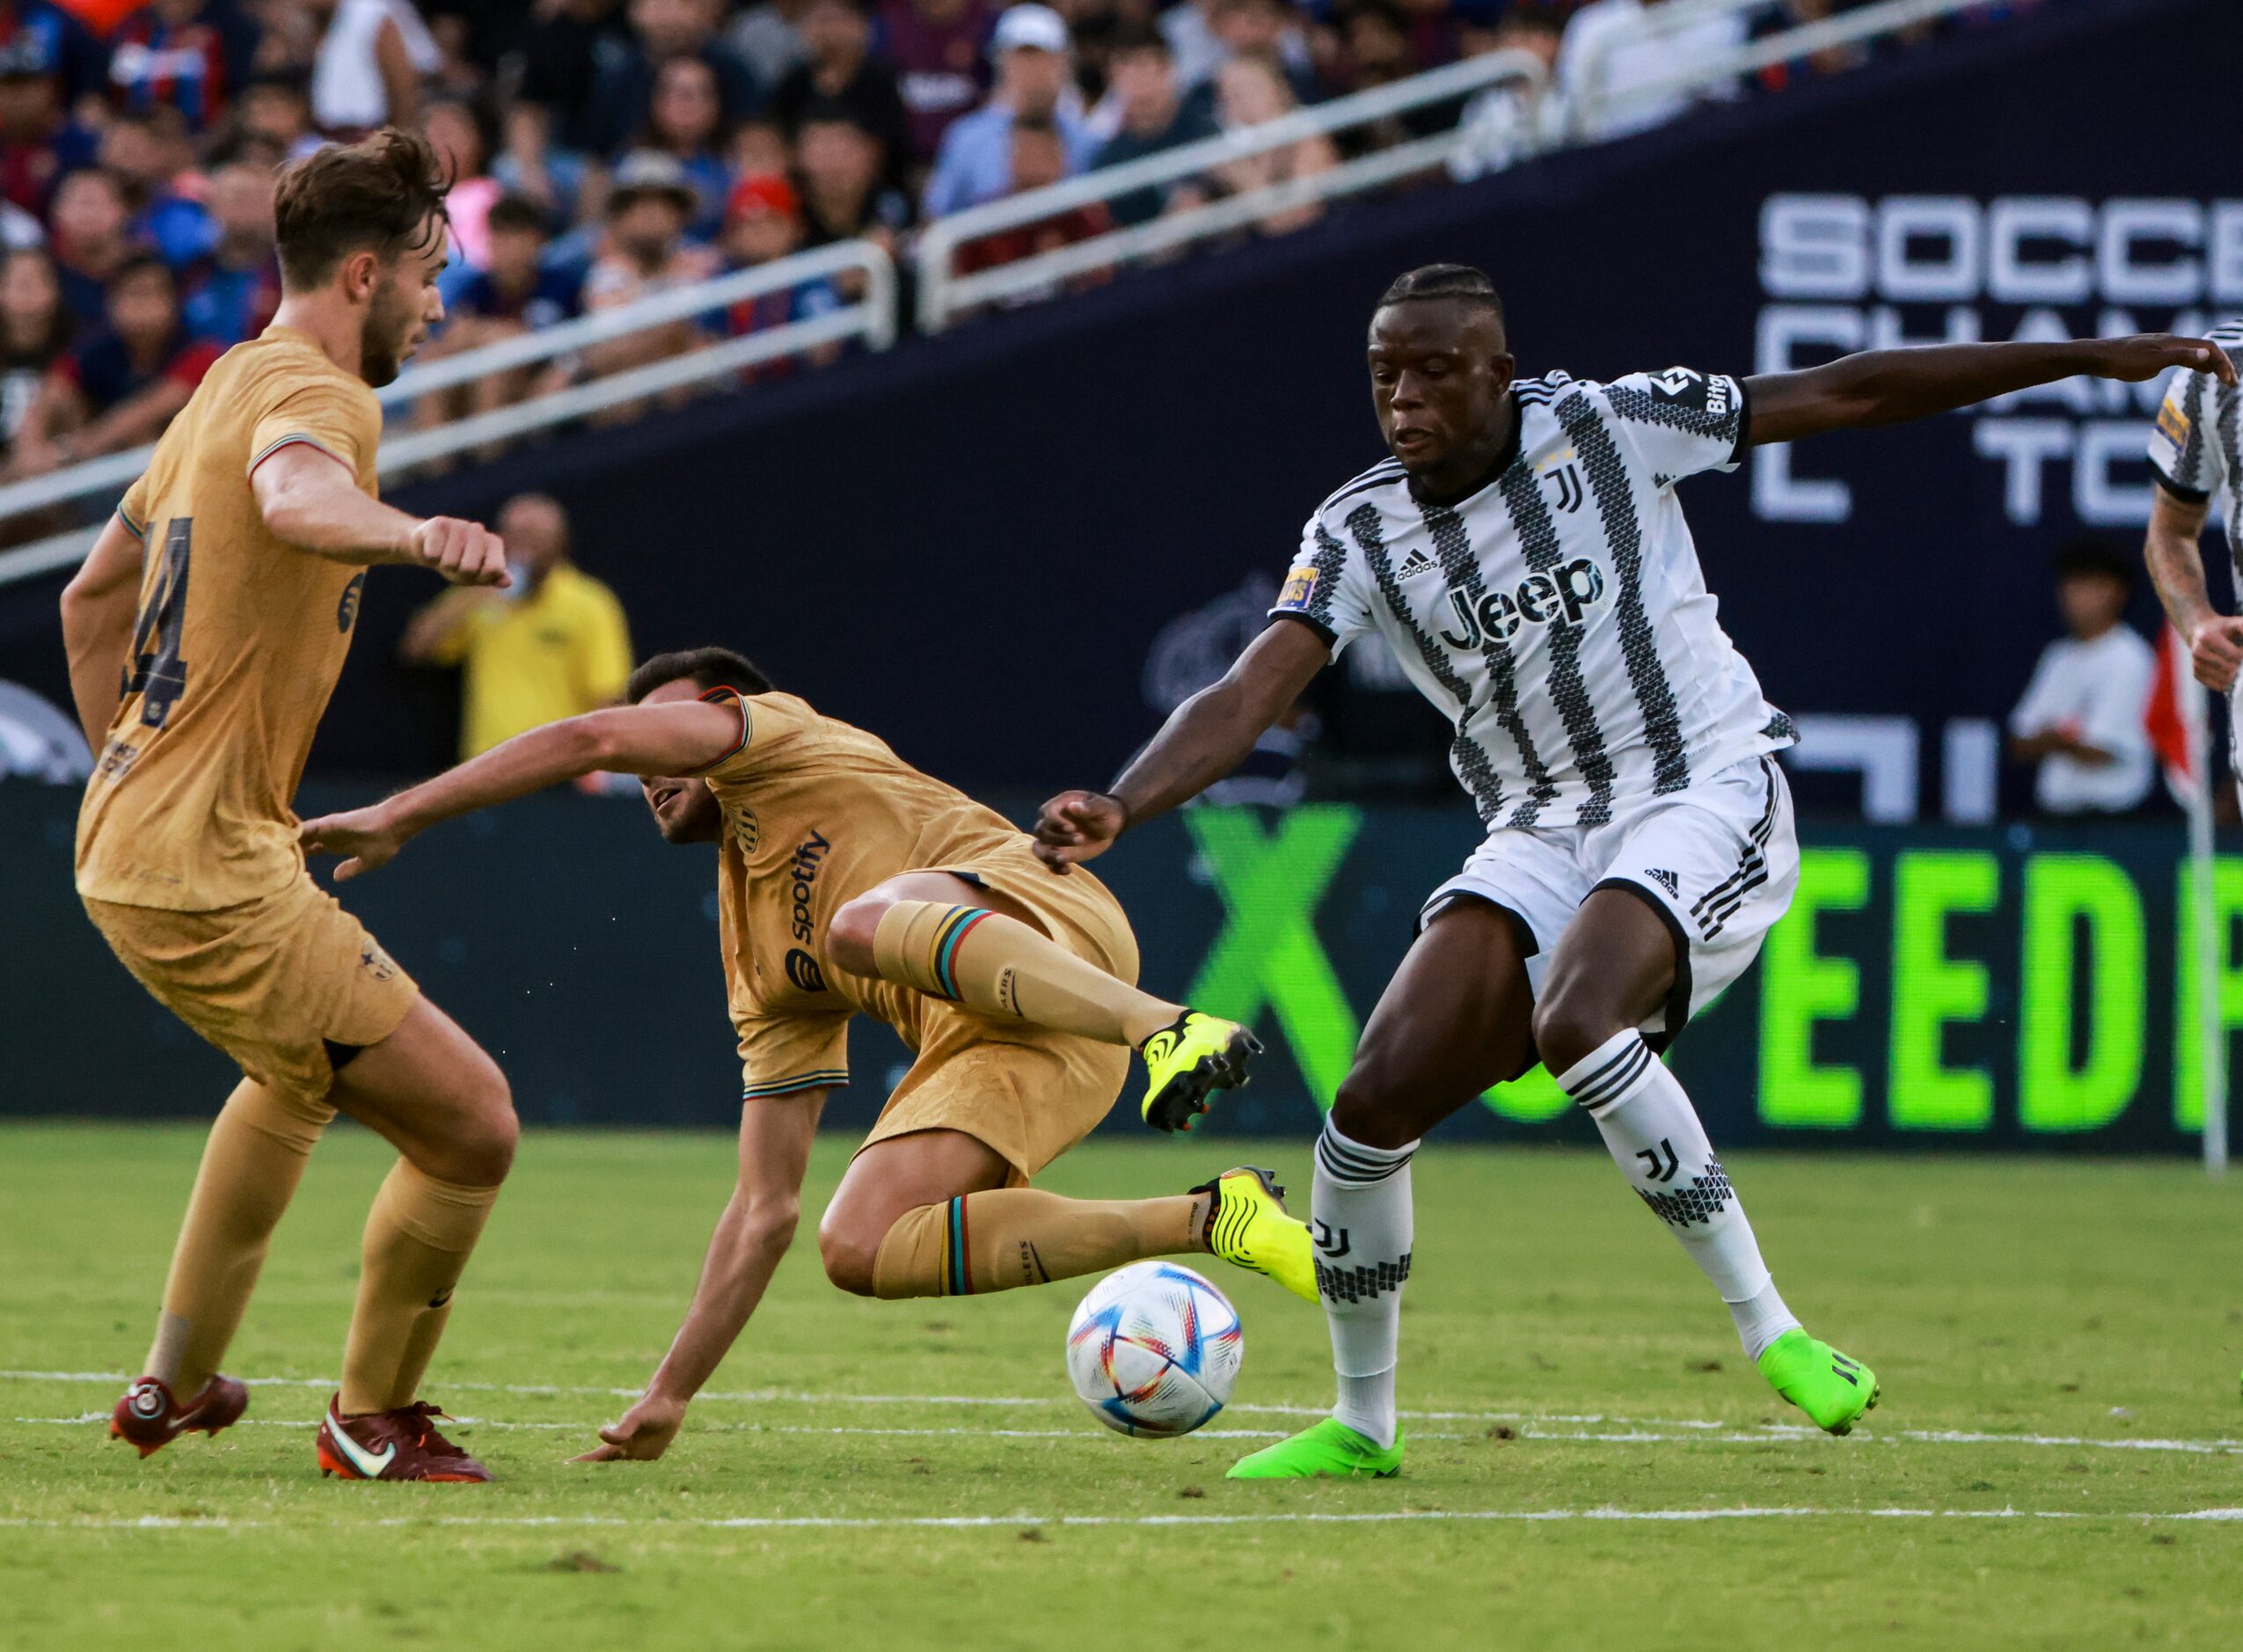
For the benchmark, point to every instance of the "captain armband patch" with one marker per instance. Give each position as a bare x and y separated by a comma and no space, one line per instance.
2173,424
1300,589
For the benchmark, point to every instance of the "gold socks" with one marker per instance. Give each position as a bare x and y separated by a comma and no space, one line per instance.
1009,1236
1007,971
417,1238
250,1165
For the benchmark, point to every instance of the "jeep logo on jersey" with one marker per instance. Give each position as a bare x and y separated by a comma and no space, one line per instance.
347,610
803,971
809,855
1540,599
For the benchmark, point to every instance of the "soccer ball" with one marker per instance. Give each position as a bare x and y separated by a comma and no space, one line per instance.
1154,1351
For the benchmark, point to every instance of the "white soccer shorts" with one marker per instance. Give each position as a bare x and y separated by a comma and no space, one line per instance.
1719,860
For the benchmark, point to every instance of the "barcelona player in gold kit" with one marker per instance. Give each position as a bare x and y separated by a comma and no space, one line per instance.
205,635
850,883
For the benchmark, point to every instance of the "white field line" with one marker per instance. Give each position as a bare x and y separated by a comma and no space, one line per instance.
1645,1430
162,1523
1766,1434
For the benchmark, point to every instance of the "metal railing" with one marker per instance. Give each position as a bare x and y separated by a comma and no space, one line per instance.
1561,117
943,293
870,317
1590,103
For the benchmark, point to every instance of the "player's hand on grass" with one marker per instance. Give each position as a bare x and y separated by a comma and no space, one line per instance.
2216,651
643,1435
2147,354
365,836
1078,826
464,552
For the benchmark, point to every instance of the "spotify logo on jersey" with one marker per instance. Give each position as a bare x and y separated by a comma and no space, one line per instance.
803,971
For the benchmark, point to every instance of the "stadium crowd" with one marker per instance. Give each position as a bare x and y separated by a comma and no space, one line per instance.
606,150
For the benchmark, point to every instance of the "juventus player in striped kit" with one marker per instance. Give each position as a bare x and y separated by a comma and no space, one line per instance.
1524,555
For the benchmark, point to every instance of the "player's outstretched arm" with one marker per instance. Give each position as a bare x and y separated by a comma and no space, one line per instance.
98,608
1204,739
776,1133
310,501
1885,387
672,737
2177,569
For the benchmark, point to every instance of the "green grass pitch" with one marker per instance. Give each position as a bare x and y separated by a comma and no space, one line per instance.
1593,1462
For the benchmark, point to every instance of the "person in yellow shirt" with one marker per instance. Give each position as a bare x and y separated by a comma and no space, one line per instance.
553,645
205,633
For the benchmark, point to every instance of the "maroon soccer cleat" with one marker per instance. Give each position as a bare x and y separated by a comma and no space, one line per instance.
150,1419
399,1444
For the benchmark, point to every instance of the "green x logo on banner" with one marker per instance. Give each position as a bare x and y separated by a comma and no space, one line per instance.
1268,953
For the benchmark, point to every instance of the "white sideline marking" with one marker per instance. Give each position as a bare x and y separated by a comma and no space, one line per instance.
1765,1435
145,1522
1637,1430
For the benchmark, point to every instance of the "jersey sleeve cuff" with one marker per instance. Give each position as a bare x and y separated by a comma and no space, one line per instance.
139,531
2185,495
1331,638
1744,423
309,441
713,696
822,1078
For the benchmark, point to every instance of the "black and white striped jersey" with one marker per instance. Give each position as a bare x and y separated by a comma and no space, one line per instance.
2196,447
1558,617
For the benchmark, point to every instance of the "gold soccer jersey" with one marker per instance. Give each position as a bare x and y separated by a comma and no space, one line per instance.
817,812
239,641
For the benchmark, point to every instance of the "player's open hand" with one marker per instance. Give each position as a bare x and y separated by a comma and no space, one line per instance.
2147,354
2215,652
367,837
464,552
1078,826
643,1435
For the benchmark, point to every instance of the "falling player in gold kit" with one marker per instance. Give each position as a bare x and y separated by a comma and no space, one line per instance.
205,635
849,882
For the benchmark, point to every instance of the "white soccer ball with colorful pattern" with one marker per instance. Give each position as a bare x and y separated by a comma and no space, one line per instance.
1154,1351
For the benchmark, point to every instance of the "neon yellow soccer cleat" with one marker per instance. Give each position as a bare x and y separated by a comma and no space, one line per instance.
1248,1226
1330,1450
1829,1386
1184,1060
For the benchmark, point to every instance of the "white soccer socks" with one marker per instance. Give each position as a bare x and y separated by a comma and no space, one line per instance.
1653,1135
1361,1223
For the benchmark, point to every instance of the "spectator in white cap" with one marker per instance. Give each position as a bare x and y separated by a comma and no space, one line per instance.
1033,59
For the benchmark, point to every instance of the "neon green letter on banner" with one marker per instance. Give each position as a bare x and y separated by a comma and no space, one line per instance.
2188,1065
1799,987
1268,953
2051,1095
1930,989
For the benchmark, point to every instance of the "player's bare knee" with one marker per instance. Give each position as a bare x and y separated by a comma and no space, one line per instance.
1371,1110
849,935
849,1253
1570,1023
771,1223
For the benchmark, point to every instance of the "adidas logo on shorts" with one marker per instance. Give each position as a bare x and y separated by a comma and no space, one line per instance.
1666,881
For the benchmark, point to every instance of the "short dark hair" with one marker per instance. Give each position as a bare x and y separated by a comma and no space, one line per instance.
1460,282
706,667
1140,37
140,263
2090,556
517,212
379,195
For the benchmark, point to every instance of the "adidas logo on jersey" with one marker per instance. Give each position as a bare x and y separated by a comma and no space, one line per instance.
1415,564
1666,881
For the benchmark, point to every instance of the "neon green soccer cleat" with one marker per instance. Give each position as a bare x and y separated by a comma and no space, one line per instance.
1248,1226
1330,1450
1831,1387
1184,1060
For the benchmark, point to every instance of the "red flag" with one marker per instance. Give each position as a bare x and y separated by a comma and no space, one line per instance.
2174,716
